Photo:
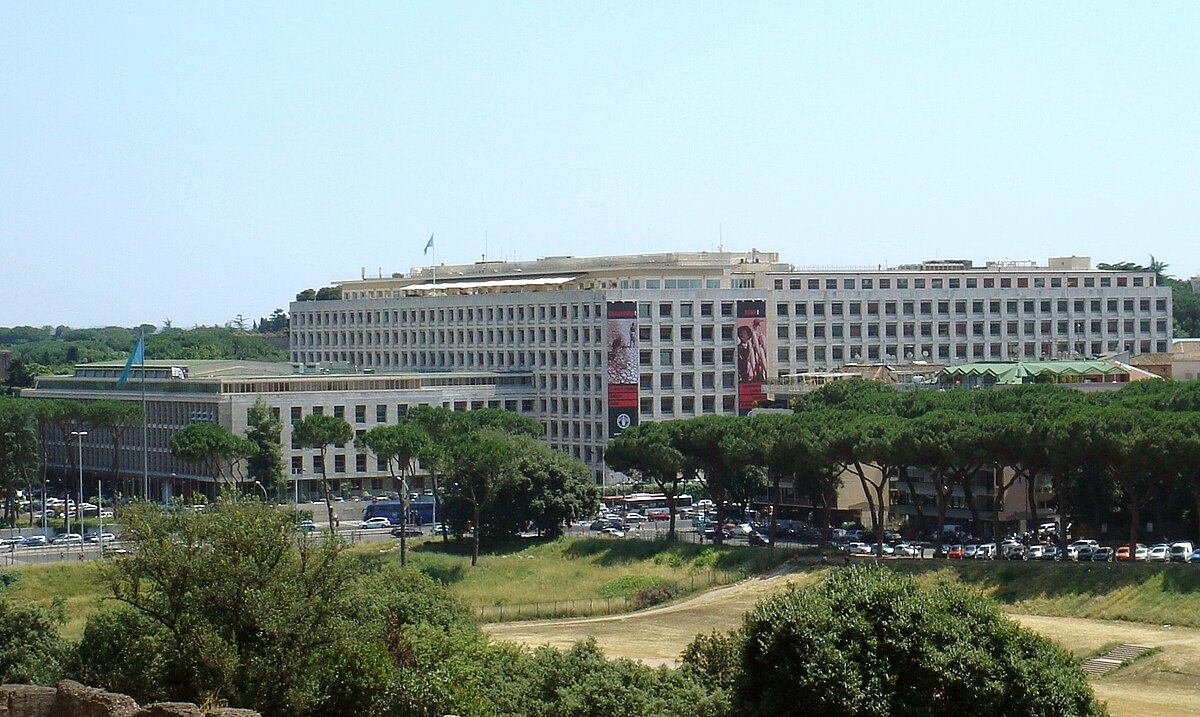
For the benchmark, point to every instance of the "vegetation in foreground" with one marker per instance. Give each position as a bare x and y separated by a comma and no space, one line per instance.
868,641
234,605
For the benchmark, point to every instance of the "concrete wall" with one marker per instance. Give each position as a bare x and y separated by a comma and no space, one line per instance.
71,699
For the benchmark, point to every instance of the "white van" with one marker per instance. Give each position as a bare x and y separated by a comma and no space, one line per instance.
1181,552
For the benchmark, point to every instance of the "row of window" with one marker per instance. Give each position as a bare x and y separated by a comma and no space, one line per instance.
969,282
806,356
977,306
488,314
1063,328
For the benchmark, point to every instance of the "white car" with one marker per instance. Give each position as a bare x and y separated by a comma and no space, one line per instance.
1181,552
377,522
101,537
614,532
66,538
1160,553
634,517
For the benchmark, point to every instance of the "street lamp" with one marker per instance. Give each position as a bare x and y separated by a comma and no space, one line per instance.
79,503
263,488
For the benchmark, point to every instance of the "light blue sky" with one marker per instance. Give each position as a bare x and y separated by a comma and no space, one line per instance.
194,161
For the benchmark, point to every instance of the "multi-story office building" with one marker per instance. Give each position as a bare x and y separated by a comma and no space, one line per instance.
609,341
178,393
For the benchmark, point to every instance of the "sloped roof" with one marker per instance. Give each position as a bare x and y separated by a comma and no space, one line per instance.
1019,371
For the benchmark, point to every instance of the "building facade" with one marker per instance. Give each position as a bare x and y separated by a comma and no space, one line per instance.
707,331
222,392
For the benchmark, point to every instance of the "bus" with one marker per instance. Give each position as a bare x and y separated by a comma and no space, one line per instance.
643,503
420,511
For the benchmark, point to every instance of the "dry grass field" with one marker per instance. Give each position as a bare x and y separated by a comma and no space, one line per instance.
1166,683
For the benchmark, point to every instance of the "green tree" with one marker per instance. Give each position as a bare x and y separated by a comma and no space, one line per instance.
214,447
307,295
320,431
645,451
481,463
867,641
398,445
710,447
18,452
234,604
31,650
264,431
548,489
329,293
114,417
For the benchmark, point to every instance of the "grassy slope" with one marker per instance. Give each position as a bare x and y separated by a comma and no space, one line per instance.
528,571
1155,594
79,585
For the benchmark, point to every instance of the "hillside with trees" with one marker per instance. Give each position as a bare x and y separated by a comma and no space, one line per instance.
56,349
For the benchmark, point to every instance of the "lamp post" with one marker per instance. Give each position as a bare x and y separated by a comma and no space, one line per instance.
78,504
263,488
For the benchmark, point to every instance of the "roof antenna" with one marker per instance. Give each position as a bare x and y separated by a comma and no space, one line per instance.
720,237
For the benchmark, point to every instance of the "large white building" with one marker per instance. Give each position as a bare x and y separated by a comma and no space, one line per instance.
609,341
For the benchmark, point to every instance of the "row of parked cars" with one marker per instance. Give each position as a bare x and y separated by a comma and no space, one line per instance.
35,541
1082,550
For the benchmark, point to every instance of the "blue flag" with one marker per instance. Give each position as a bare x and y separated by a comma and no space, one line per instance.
136,356
428,244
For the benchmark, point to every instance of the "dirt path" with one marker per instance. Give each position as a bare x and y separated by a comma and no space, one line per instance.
658,635
1165,684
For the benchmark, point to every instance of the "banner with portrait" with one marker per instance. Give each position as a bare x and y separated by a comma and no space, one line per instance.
621,346
751,335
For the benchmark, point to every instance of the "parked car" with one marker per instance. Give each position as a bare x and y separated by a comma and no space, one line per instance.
1196,555
906,550
1102,554
659,514
1136,552
955,551
613,532
634,517
987,551
1035,552
1181,552
1051,552
1159,553
409,531
968,551
378,521
757,538
1014,551
307,526
1074,548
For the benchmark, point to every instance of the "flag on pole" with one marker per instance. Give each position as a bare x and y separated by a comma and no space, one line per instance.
136,356
428,245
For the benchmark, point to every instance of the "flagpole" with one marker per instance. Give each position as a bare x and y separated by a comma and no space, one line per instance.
435,263
145,421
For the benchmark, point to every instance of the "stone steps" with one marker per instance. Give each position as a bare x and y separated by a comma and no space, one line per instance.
1111,660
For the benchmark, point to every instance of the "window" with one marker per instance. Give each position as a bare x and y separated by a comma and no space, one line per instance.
360,414
381,413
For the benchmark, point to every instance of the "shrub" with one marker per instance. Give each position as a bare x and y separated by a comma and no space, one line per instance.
30,649
870,642
628,585
654,595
